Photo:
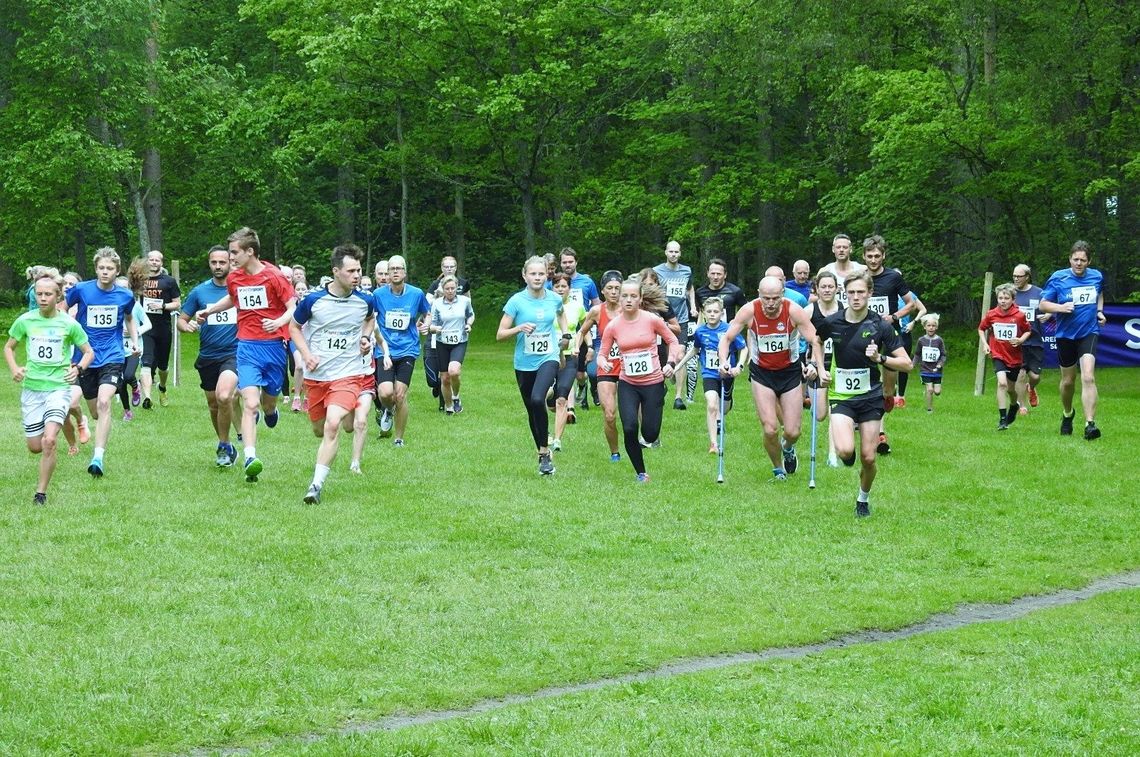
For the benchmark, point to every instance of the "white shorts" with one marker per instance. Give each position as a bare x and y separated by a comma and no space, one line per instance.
41,408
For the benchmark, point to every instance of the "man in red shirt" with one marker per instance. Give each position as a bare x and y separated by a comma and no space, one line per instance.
265,300
1007,329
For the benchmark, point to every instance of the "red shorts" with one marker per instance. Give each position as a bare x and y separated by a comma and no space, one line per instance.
343,393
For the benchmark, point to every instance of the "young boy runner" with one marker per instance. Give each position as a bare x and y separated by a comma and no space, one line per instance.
932,356
715,381
49,337
1007,329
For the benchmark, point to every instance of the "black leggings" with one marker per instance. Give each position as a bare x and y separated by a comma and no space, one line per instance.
565,383
533,386
130,368
650,401
908,345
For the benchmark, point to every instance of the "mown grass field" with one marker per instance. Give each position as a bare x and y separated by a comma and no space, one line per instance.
171,606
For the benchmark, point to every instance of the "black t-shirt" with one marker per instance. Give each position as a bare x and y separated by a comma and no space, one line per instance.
849,349
461,287
732,295
162,288
889,289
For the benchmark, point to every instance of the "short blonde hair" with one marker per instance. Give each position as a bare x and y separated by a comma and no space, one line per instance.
930,318
1009,289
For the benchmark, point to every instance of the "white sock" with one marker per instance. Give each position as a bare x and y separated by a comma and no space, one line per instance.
863,496
98,453
320,473
250,452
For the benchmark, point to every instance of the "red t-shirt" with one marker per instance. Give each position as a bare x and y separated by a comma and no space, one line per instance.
259,295
615,354
1003,324
776,340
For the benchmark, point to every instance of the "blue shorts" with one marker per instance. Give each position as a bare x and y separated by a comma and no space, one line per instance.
262,364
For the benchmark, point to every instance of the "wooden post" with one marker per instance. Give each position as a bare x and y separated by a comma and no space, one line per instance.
175,342
980,373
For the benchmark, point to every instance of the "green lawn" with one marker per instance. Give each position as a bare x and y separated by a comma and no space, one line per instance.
170,605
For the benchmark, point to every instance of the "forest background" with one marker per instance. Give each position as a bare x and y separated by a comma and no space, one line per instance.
973,134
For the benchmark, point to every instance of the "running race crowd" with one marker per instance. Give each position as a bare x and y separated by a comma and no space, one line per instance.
839,343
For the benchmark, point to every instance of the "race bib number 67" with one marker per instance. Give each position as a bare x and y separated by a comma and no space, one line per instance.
1084,295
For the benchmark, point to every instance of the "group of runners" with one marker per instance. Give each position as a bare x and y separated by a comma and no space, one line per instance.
838,343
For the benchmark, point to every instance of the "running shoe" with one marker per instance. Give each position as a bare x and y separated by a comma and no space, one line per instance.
253,468
386,421
1091,431
615,457
545,464
900,401
95,468
1066,425
296,406
72,450
778,474
594,396
272,418
380,416
442,404
355,468
1023,411
223,457
232,451
128,416
1002,425
162,398
313,496
884,447
305,404
136,396
40,498
397,442
146,403
679,404
713,450
570,417
84,431
580,398
791,462
456,406
449,409
1011,414
807,402
832,461
1032,397
556,445
888,403
862,509
643,478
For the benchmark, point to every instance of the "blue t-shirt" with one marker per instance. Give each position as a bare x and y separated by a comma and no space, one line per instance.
1084,291
102,314
217,337
707,341
582,289
396,317
541,345
796,297
803,289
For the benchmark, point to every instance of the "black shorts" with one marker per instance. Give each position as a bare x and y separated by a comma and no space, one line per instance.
713,385
931,378
156,347
92,378
445,354
1070,351
781,382
582,350
607,379
564,383
1034,357
1012,371
401,371
210,370
862,409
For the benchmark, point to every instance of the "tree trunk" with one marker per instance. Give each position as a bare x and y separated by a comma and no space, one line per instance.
152,162
458,235
346,203
526,199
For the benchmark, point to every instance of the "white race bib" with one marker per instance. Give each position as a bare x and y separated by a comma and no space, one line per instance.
397,320
879,305
252,298
615,353
772,343
1029,311
152,304
102,316
333,342
224,318
576,296
594,333
1084,295
841,295
1003,332
712,360
931,354
675,288
47,350
538,343
449,337
827,346
638,363
852,380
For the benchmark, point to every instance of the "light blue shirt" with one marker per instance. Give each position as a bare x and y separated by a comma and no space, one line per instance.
541,345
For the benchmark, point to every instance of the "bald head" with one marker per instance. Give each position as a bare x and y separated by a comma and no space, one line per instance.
771,295
776,272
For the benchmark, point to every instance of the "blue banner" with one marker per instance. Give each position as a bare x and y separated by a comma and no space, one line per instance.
1119,342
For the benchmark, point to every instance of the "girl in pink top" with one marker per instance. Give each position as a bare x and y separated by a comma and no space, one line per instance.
641,383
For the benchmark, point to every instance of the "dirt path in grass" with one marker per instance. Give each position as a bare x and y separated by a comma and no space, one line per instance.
966,615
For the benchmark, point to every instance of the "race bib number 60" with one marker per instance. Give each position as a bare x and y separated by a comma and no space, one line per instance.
397,320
